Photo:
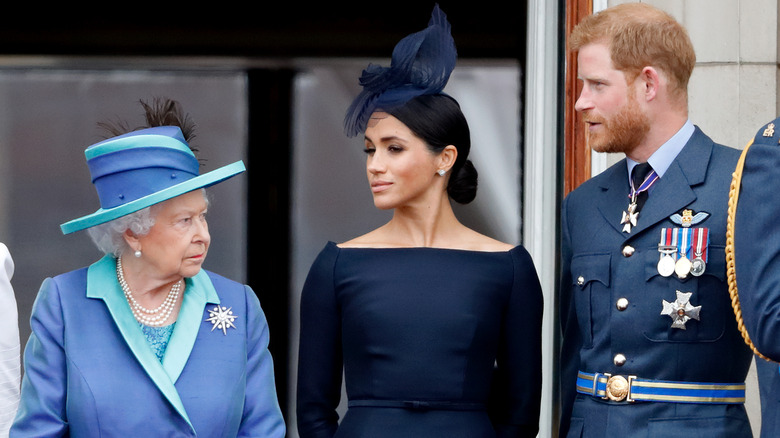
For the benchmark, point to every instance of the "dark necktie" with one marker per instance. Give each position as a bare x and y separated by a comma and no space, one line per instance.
638,175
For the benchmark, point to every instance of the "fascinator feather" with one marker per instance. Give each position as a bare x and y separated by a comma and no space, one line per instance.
421,64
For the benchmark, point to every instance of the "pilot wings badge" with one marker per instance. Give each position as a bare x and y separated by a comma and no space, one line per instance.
688,218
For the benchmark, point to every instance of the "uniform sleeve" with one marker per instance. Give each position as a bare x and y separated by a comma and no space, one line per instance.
42,406
10,368
320,355
516,394
571,341
757,247
262,416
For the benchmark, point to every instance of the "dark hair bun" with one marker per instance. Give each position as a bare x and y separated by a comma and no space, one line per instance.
462,187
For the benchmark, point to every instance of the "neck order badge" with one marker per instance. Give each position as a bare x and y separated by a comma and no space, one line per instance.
642,178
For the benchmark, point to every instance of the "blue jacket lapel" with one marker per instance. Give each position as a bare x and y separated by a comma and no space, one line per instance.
614,199
675,190
670,195
198,292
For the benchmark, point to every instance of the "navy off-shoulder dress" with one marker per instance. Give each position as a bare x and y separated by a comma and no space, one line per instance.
432,343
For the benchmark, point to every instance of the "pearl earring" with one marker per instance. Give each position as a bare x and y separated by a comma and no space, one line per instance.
441,172
137,253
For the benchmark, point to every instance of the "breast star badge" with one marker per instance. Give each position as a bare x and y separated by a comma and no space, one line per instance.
681,310
221,318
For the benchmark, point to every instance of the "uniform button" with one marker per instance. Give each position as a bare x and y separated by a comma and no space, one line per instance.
621,304
628,251
619,360
580,280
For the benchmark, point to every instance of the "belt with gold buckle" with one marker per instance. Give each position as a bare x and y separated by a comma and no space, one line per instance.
618,388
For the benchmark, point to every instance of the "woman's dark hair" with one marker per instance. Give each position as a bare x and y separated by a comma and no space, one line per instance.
438,120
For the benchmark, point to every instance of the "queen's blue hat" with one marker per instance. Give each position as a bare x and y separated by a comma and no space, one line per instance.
142,168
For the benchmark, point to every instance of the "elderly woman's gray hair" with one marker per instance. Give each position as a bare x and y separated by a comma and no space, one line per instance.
108,237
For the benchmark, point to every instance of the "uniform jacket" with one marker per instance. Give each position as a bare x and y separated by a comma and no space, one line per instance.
601,264
769,389
89,371
757,265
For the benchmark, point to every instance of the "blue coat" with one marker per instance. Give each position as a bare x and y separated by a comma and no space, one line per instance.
757,264
769,388
601,264
89,371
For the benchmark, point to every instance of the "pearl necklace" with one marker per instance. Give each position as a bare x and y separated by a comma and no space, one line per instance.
151,317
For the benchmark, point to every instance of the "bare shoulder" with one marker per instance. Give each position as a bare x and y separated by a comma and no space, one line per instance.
372,239
462,238
480,242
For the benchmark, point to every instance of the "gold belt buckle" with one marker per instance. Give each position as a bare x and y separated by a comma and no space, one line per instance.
619,388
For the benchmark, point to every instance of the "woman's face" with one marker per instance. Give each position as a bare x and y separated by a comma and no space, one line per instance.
178,242
401,169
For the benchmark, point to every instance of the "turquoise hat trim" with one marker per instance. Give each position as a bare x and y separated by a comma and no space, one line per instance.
136,141
104,215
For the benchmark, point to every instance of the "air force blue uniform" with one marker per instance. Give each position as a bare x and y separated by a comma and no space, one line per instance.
756,254
674,340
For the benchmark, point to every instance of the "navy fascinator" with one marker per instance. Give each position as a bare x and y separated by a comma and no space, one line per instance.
421,64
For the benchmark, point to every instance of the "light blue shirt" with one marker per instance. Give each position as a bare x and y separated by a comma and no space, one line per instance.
663,157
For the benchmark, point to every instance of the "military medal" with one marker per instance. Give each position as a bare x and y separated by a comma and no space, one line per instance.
683,265
667,247
666,262
697,266
630,215
700,245
681,310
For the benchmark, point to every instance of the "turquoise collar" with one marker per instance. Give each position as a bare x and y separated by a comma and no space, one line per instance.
199,291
